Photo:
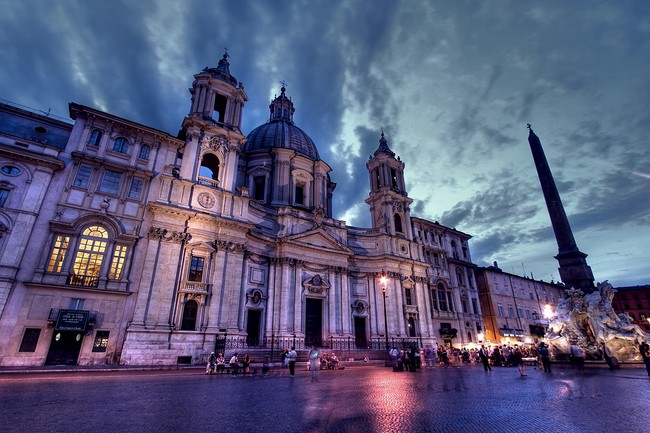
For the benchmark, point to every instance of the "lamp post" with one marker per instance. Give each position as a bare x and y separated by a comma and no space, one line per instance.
383,280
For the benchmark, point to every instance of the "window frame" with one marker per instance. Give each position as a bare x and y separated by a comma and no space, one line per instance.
106,185
121,145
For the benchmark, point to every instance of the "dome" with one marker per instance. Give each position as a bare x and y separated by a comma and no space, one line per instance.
283,135
281,132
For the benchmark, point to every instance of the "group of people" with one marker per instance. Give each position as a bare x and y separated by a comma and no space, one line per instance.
405,360
217,364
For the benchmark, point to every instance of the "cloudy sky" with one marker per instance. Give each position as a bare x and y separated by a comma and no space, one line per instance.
452,84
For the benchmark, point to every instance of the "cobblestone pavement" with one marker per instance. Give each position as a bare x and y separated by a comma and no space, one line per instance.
357,399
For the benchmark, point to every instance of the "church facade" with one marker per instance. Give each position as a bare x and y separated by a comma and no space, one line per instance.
152,249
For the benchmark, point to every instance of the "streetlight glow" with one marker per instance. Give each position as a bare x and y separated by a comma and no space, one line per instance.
548,312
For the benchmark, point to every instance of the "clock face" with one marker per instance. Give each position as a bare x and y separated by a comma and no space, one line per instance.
206,200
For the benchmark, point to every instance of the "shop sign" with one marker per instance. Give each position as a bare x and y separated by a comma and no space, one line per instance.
72,320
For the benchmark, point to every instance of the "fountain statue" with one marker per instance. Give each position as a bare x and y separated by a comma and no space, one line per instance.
590,321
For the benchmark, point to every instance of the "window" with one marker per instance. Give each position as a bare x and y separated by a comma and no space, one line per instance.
76,304
135,191
464,305
83,176
101,341
188,322
459,277
434,299
121,145
110,182
520,312
117,264
89,257
502,312
442,299
4,195
450,301
58,253
474,305
220,103
377,180
436,259
11,170
30,340
300,194
511,311
144,152
209,169
95,137
259,184
528,316
408,296
398,223
393,178
196,269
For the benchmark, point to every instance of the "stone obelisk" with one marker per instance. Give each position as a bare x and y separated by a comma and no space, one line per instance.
574,270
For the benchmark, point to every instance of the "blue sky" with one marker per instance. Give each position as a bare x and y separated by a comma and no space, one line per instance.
452,84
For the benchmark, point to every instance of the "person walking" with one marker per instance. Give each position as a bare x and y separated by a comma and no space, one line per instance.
482,353
291,358
518,360
545,357
314,363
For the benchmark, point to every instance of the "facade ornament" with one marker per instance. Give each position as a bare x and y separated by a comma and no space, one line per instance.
316,284
319,215
168,236
359,307
255,298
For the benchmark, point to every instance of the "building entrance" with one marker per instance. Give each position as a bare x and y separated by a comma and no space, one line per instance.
64,348
360,332
314,322
253,328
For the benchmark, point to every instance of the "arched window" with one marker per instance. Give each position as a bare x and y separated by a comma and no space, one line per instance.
121,145
144,152
209,167
190,309
95,137
398,223
88,259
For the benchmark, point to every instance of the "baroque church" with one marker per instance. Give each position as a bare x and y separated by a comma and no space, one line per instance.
124,244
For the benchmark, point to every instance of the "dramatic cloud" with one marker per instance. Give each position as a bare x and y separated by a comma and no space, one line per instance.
452,85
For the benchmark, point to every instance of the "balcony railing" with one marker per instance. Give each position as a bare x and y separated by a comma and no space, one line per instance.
83,280
207,182
195,287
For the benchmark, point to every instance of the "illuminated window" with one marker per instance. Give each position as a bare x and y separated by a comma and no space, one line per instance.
89,257
121,145
101,341
117,264
58,253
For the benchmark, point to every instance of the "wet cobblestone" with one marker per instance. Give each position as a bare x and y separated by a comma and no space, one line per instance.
357,399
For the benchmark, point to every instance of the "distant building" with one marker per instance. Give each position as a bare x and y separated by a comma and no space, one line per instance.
634,301
513,306
125,244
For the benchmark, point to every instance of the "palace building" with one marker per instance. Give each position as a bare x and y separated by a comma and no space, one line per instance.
124,244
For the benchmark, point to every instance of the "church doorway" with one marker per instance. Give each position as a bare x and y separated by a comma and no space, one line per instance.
314,322
253,327
360,332
64,349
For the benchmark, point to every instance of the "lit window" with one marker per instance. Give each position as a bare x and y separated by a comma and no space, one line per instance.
94,138
110,182
90,255
83,176
121,145
101,341
135,191
144,152
58,253
117,264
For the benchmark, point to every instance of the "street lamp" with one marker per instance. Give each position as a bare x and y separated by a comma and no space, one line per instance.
383,281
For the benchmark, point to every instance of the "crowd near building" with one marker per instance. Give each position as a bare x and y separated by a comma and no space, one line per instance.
121,243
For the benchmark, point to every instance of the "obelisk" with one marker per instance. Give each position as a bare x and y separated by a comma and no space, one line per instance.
574,270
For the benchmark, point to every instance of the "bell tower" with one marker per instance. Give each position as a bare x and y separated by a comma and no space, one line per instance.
388,200
212,129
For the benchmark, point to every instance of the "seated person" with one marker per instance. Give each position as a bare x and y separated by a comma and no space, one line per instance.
221,363
334,361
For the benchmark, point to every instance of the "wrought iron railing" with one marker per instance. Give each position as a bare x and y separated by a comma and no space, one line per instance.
82,280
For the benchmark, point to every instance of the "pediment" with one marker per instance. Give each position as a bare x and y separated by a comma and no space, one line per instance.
319,239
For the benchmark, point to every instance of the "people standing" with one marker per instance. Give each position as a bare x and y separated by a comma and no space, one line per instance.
545,357
644,348
578,357
211,364
394,358
246,363
482,353
291,358
314,363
